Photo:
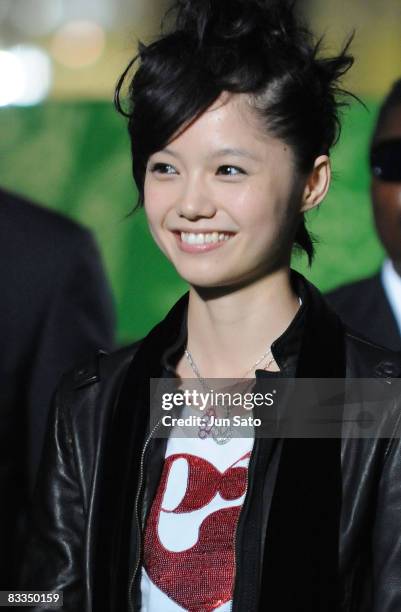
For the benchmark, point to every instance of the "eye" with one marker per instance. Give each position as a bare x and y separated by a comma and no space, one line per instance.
161,168
230,170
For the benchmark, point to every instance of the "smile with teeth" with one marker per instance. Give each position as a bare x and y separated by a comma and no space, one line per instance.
211,238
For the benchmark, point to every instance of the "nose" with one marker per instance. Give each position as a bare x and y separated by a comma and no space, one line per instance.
195,201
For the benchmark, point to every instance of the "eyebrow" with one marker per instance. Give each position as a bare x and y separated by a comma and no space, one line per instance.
170,152
237,152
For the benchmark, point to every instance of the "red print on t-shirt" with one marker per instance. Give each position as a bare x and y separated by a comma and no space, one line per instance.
199,578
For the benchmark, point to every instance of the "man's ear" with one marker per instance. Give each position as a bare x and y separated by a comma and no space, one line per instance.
318,183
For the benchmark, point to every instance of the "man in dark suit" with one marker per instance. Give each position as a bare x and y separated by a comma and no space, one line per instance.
55,309
372,306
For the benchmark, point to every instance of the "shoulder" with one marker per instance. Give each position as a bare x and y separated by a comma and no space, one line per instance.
100,369
25,223
86,394
347,293
365,359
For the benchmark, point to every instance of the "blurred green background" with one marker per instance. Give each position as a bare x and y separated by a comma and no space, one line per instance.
71,153
75,158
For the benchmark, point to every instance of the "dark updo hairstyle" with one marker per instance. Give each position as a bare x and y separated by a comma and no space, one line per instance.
256,47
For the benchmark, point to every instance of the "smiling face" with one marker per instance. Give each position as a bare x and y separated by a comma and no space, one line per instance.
223,198
386,196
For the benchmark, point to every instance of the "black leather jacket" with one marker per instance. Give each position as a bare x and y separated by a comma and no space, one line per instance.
320,528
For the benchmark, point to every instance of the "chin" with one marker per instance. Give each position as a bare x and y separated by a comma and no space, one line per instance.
204,281
211,280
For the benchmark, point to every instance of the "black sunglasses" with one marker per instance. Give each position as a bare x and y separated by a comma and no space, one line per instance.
385,160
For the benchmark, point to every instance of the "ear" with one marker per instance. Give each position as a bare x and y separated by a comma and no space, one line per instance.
317,184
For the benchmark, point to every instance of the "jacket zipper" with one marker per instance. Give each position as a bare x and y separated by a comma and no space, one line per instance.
138,522
236,527
235,548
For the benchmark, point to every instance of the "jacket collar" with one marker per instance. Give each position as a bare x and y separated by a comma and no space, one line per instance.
300,566
317,333
122,463
322,352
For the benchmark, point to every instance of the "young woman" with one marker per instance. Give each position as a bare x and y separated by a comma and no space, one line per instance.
232,115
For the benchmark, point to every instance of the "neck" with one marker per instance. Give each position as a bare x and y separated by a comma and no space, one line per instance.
229,331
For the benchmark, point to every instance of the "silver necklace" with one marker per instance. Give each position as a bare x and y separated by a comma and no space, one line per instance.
220,434
251,369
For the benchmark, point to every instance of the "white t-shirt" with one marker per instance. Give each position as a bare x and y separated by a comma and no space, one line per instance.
189,559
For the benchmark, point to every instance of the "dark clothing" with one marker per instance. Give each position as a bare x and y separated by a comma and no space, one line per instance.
364,307
55,308
327,510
